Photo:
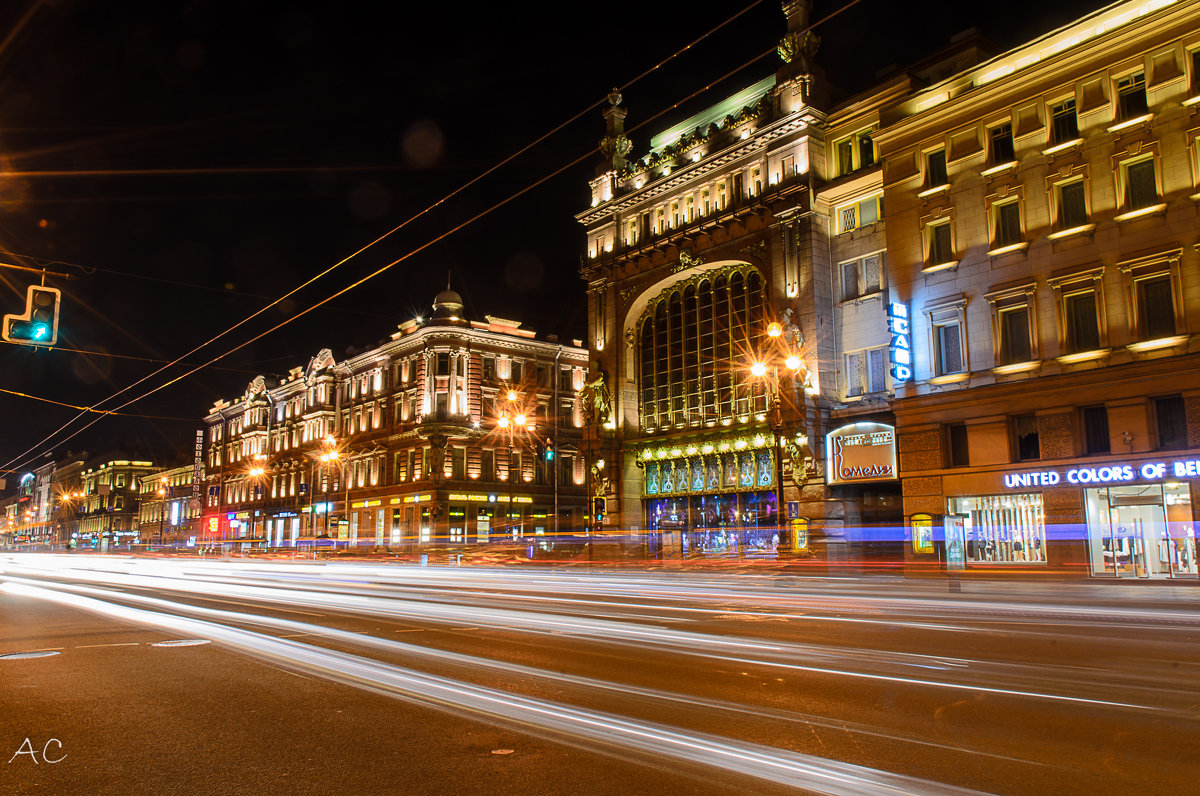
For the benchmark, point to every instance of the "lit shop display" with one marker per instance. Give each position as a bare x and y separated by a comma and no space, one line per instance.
1003,529
1141,531
720,495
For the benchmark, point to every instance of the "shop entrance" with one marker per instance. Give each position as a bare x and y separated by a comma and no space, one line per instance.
1141,531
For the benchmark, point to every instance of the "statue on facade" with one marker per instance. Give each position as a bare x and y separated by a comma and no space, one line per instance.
792,335
597,400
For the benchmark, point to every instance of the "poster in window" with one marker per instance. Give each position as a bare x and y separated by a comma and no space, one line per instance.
667,479
714,472
922,533
697,475
731,470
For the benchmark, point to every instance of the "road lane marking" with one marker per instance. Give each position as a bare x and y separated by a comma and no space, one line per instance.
121,644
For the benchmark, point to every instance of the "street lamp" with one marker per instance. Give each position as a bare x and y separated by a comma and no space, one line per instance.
257,470
781,353
518,421
162,507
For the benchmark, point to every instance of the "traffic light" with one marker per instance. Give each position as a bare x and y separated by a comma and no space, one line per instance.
39,324
598,508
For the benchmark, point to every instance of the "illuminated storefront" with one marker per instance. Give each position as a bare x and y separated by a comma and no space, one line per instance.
720,495
1117,519
1141,531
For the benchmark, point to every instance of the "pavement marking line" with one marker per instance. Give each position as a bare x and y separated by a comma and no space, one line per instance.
121,644
411,630
295,635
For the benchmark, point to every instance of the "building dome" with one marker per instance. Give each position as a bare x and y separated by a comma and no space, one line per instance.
448,305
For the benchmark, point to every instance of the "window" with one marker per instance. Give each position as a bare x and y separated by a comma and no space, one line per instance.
516,371
1195,58
861,213
660,222
1081,321
1014,335
458,463
685,340
1003,528
1025,431
854,153
861,277
1131,97
443,364
1072,205
935,169
674,215
1002,144
1155,306
489,368
1141,184
739,192
487,466
1006,224
957,452
1095,430
1064,122
940,250
705,202
756,180
866,371
1170,422
947,344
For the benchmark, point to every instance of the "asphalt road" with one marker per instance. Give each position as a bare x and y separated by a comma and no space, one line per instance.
365,678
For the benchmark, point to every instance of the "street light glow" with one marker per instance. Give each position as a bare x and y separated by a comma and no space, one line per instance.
519,420
503,421
792,362
758,370
774,330
512,395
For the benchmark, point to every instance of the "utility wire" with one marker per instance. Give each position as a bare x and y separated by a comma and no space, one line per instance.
437,239
94,411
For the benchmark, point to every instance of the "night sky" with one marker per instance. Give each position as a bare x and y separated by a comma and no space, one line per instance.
186,163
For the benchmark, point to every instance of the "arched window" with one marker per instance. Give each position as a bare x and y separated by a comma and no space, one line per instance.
695,344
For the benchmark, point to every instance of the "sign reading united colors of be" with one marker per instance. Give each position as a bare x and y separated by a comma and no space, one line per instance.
860,453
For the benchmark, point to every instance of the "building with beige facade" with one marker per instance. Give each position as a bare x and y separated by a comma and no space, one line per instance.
1042,234
455,432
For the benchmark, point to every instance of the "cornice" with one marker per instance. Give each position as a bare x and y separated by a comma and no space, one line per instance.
1067,66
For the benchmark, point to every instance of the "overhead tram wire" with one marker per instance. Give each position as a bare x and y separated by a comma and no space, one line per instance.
436,240
456,228
93,410
346,259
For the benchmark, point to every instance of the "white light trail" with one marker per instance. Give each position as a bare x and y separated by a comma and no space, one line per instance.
616,735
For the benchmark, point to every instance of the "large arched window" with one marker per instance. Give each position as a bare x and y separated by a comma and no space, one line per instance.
696,341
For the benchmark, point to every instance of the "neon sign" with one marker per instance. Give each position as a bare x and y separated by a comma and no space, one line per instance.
1107,474
900,351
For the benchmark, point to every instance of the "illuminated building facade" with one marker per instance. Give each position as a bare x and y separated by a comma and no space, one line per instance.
107,513
454,432
170,506
1042,231
736,296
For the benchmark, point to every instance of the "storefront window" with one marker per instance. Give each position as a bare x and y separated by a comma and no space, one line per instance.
1003,529
1141,531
